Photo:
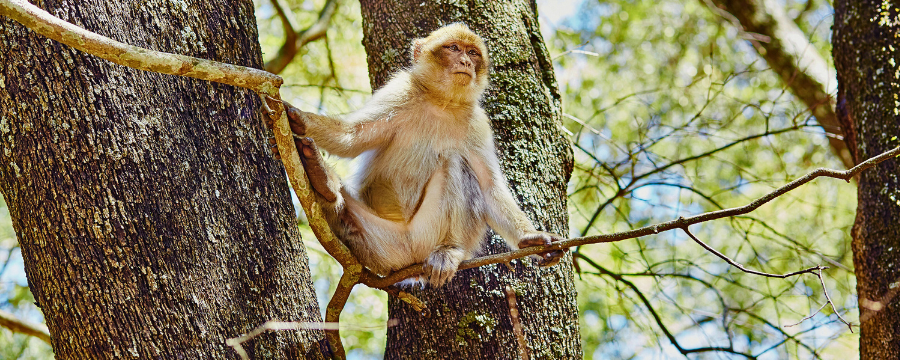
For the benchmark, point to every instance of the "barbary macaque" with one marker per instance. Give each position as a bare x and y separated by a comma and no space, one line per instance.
429,183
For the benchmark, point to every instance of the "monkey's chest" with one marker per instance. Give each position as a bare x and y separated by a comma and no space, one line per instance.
397,178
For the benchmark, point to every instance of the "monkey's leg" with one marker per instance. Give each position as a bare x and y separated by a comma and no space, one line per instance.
462,207
380,244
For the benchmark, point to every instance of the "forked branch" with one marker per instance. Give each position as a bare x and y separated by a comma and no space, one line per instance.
294,40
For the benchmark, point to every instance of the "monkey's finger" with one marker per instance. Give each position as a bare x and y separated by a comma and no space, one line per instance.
309,148
555,237
441,265
308,152
273,147
551,258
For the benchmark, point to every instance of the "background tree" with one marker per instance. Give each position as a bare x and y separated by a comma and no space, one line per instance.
865,49
144,201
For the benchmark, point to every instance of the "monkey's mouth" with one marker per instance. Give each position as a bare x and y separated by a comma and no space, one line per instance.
463,73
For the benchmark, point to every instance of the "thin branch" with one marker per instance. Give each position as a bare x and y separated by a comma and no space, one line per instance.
336,88
375,281
817,270
101,46
659,169
294,41
17,325
827,302
336,306
746,270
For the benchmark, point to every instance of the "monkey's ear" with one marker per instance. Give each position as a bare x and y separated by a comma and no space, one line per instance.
417,45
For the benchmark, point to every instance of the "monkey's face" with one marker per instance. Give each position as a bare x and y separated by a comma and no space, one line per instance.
461,62
452,62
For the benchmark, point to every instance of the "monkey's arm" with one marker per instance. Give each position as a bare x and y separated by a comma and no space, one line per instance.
347,139
367,128
511,223
504,215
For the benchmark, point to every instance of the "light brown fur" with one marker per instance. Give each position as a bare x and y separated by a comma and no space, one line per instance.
429,183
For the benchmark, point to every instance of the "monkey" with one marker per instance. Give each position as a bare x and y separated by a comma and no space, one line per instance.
429,182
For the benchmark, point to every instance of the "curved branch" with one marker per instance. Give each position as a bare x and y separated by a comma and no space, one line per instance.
372,280
101,46
17,325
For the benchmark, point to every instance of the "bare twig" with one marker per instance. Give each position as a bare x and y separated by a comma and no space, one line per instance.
15,324
274,325
817,270
658,319
656,170
294,40
827,302
746,270
236,342
682,222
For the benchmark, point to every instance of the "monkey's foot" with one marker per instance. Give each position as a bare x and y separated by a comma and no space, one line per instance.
541,238
315,167
441,265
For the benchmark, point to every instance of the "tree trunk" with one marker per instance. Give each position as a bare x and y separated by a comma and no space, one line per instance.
866,51
152,219
470,317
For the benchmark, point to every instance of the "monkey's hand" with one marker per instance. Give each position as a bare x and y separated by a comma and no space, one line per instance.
296,121
315,168
540,238
441,265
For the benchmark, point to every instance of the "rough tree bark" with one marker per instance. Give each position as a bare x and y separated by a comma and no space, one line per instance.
789,52
866,52
152,219
469,318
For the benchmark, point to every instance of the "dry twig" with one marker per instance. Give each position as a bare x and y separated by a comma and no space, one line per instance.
516,323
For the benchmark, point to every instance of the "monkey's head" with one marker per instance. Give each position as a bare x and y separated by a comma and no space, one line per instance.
451,62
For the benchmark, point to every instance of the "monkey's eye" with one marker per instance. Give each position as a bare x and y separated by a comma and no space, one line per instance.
452,47
473,53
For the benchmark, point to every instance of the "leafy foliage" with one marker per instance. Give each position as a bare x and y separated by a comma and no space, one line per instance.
673,114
